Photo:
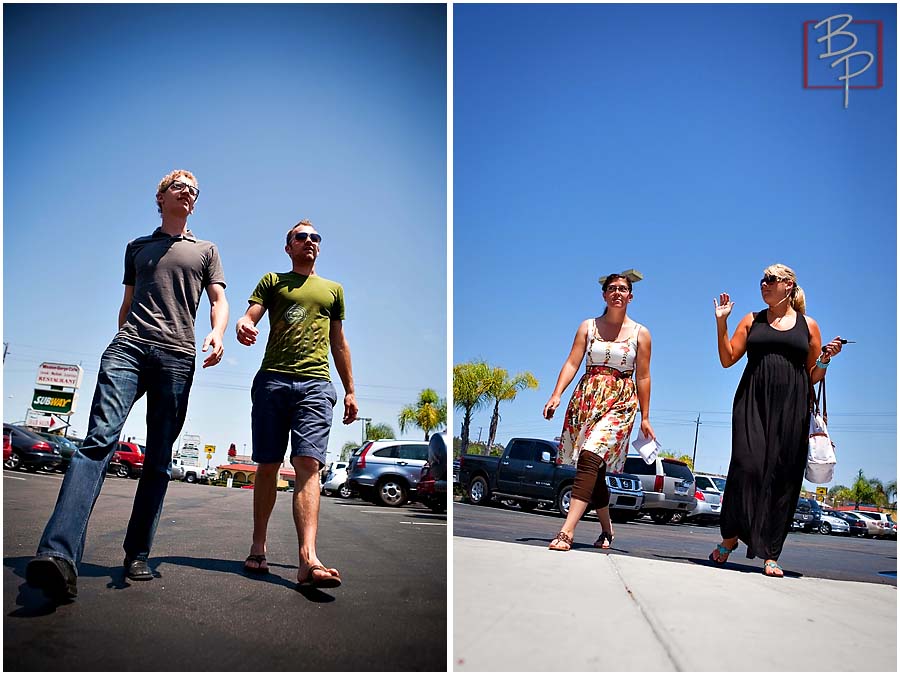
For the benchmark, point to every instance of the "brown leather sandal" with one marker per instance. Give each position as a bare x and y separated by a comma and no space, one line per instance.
565,539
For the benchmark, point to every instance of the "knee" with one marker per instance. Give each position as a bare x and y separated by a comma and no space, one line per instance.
305,466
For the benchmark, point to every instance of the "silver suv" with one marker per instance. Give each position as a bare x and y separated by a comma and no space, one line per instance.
668,486
387,471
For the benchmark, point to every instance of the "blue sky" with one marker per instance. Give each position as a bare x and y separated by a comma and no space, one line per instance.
336,113
677,140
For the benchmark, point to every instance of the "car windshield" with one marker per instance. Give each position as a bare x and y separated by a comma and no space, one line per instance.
720,483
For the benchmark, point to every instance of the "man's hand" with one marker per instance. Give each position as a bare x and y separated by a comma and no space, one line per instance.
351,410
213,340
246,331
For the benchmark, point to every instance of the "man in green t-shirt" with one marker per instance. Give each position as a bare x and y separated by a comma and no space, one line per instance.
293,396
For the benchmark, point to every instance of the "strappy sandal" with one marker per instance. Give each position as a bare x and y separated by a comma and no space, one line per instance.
259,564
770,567
720,555
604,540
565,539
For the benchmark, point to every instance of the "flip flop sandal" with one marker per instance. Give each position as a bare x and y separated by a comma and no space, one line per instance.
565,539
770,567
723,553
260,560
604,541
331,581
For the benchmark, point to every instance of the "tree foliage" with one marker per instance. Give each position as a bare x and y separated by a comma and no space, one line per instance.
428,413
470,393
502,387
379,430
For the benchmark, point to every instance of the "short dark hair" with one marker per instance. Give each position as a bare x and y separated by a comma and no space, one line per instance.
613,277
307,223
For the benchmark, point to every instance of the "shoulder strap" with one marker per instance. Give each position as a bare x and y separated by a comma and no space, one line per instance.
817,402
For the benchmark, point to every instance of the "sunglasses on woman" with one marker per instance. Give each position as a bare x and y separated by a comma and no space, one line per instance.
312,236
771,279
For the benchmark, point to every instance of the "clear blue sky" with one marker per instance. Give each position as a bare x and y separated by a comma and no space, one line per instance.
336,113
677,140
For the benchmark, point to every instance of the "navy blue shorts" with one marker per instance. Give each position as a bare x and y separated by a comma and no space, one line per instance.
287,406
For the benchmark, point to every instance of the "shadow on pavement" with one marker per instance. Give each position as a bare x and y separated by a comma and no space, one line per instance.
730,565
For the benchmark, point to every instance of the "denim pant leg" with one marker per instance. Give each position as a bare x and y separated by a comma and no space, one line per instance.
118,387
169,378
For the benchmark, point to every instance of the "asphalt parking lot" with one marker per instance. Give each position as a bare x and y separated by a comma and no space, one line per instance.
202,612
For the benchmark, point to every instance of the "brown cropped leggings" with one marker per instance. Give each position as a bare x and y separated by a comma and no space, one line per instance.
590,480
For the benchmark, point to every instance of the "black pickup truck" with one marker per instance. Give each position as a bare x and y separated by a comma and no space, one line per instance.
528,473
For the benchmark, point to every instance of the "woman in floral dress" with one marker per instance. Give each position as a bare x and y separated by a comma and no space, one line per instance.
601,412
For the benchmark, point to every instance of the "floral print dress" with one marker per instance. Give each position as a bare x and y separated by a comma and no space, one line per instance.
603,406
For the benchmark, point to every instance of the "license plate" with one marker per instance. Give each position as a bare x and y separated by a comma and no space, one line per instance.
681,489
716,508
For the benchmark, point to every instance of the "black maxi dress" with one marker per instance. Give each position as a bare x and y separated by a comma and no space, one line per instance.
769,438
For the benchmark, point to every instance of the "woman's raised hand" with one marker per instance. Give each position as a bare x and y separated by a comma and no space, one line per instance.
723,306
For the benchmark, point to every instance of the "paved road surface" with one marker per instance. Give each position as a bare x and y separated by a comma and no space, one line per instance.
202,612
812,555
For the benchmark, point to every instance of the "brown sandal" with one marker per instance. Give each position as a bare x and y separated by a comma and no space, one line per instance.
565,539
331,581
604,541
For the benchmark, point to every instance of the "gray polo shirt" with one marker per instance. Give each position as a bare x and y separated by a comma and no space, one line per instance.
169,275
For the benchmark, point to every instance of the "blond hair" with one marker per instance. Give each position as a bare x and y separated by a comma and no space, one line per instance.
798,297
170,178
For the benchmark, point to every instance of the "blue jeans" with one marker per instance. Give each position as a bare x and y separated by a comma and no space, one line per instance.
128,370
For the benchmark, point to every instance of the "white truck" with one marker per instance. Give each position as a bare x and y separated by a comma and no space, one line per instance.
191,473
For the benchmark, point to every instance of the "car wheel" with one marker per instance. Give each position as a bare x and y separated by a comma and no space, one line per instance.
14,461
661,517
436,506
122,471
825,528
479,493
191,478
678,517
391,492
345,492
564,501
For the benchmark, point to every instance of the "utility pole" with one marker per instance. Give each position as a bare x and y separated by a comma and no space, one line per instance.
697,422
5,348
479,434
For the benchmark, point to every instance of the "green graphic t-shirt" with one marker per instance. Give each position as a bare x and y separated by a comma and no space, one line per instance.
301,310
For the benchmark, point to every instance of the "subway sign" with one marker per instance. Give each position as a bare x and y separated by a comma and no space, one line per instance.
59,402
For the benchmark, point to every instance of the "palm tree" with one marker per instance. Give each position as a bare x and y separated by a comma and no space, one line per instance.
470,382
862,491
346,449
890,491
377,431
428,413
500,387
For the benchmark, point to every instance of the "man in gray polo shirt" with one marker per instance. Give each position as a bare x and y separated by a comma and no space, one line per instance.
153,353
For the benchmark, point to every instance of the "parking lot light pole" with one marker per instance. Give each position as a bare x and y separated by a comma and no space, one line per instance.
364,420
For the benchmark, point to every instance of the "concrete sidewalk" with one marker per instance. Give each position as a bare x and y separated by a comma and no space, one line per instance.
524,608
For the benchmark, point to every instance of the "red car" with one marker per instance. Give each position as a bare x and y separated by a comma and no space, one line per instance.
7,446
130,458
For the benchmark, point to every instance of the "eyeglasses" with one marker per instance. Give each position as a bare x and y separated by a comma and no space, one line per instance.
179,186
618,289
771,279
312,236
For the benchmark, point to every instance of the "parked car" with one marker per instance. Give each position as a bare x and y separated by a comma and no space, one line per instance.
708,509
387,471
807,515
883,528
65,446
336,481
432,487
833,525
669,486
29,451
191,473
7,446
528,473
858,526
131,459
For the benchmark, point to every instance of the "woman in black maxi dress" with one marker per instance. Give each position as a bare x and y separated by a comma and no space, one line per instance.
770,420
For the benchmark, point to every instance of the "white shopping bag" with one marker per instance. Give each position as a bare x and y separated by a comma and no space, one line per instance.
647,447
820,459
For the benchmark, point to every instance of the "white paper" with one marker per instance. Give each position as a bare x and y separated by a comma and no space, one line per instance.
646,447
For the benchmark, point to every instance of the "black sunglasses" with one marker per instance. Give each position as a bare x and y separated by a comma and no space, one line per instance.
179,186
771,279
312,236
